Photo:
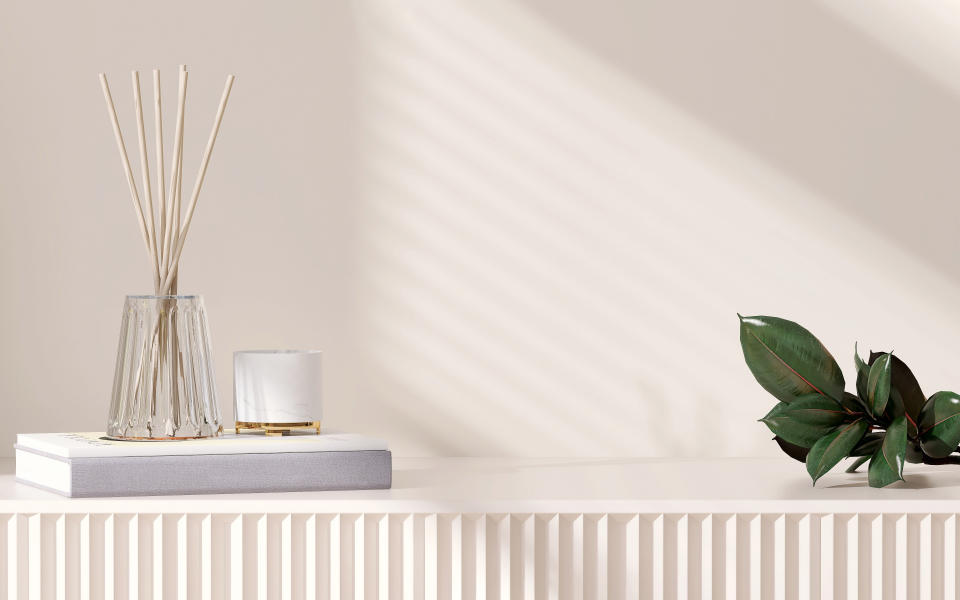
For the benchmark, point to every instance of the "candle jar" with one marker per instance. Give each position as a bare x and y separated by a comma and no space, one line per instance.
277,391
164,386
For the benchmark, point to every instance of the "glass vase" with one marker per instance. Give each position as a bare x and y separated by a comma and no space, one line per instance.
164,386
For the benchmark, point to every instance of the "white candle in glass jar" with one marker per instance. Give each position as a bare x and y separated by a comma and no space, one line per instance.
277,387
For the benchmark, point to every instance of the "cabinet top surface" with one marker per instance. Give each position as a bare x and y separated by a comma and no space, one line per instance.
466,485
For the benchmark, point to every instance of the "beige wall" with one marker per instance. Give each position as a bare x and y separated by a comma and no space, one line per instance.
514,226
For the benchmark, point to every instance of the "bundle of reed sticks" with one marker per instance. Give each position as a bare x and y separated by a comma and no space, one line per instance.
163,224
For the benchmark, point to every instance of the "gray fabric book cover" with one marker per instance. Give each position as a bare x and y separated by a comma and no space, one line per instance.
84,465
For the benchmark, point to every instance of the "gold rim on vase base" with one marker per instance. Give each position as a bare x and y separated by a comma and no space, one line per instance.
277,428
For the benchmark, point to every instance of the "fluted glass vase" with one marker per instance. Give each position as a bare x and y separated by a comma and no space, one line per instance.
164,386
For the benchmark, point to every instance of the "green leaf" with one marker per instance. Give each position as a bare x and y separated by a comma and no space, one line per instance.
878,385
792,450
894,447
914,452
805,420
940,424
787,360
852,404
833,447
857,463
879,474
905,393
868,445
863,369
886,466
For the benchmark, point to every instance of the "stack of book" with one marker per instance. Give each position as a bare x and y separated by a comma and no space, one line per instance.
89,465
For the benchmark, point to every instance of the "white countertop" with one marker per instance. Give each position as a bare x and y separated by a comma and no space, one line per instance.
557,485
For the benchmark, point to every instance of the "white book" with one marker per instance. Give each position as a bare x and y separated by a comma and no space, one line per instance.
89,464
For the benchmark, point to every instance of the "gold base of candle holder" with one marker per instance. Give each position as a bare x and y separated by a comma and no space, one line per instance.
277,428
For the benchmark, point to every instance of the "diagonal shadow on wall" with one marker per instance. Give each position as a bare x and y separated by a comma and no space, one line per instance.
806,92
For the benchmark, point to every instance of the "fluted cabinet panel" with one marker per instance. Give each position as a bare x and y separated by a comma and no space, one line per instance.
468,556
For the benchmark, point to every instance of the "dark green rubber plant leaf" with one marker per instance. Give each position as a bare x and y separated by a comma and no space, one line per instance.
787,360
863,369
940,424
868,445
857,463
906,397
878,385
852,404
834,447
879,474
886,466
914,452
894,444
805,420
794,451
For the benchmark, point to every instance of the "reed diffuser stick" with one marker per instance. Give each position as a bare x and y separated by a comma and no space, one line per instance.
177,201
145,172
188,216
134,196
161,194
174,170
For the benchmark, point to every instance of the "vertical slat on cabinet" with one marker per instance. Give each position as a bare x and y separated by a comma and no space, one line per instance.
324,558
505,537
156,555
553,556
208,571
875,525
924,558
748,556
727,545
936,555
469,551
34,556
950,556
310,558
384,558
577,567
631,556
804,552
529,535
182,550
616,561
408,558
456,557
680,559
827,549
109,557
13,557
336,524
286,557
262,557
359,542
60,556
430,557
444,556
852,560
479,527
86,565
705,589
900,552
603,566
337,527
491,561
779,557
132,571
236,557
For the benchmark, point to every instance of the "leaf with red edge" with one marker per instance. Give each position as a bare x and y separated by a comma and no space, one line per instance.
787,360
